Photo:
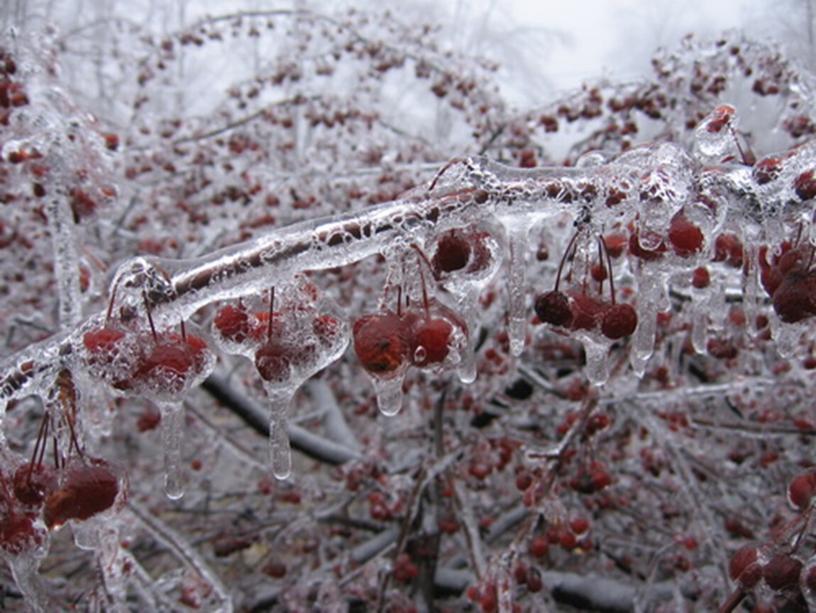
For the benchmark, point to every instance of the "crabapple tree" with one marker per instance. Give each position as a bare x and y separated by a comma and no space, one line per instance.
275,341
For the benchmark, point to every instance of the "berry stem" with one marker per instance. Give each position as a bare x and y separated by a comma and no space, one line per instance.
564,259
271,313
150,317
602,245
424,258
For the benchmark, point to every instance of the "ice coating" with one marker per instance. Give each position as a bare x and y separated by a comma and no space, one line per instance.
178,288
172,437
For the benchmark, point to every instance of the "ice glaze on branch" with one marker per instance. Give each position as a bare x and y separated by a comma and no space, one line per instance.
651,183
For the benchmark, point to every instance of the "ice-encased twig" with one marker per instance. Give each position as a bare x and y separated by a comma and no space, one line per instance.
185,552
178,288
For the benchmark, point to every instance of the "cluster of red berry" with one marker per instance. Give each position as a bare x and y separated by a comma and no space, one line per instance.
286,345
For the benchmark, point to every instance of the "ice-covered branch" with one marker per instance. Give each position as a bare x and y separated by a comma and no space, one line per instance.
649,184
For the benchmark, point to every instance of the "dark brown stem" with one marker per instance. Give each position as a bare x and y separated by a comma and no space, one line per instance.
608,268
271,313
150,317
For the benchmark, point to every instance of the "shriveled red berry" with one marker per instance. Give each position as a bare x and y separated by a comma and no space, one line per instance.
619,320
554,308
781,571
685,237
381,343
87,489
801,489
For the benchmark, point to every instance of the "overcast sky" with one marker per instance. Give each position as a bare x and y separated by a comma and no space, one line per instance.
558,45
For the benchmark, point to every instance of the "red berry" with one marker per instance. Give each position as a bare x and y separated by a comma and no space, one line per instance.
619,320
554,308
102,341
232,323
782,571
19,534
766,170
579,525
273,361
795,297
112,141
685,237
452,252
381,343
539,546
802,489
33,483
744,566
430,341
586,311
171,362
719,118
700,278
728,249
87,489
275,569
809,577
647,255
534,582
805,185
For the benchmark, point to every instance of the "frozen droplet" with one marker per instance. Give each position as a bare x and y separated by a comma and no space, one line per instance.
280,452
467,367
389,395
86,535
420,354
172,434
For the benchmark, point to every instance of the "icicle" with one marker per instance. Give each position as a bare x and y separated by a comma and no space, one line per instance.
516,285
280,452
66,260
172,433
647,307
389,395
699,322
597,364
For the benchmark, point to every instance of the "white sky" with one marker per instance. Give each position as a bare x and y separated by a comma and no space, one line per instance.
567,43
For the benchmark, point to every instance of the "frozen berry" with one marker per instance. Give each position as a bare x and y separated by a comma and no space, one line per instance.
619,320
554,308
